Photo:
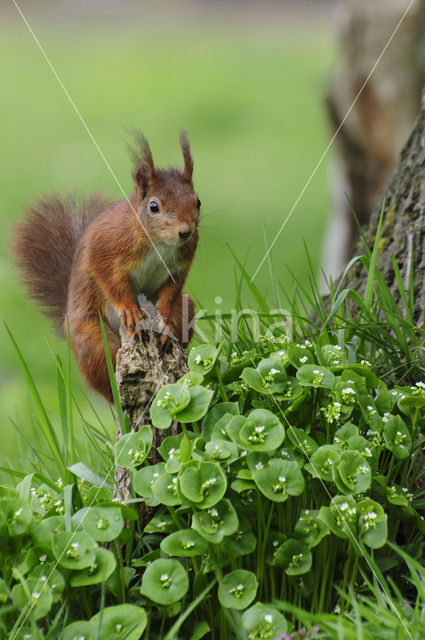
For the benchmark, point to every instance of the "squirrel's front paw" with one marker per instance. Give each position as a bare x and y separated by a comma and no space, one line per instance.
129,317
168,333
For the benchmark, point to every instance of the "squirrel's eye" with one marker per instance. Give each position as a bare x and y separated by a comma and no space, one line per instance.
153,206
198,203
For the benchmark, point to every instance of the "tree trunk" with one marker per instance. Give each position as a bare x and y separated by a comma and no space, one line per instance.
371,136
403,229
143,367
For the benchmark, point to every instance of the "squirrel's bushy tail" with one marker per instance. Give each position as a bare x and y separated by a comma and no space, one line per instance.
44,245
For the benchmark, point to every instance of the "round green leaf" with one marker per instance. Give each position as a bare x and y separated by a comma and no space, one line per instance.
79,629
217,418
202,483
299,356
302,441
144,478
191,379
39,598
294,556
262,431
262,621
372,523
202,358
268,377
184,543
74,550
352,473
165,582
313,375
164,489
323,460
242,542
341,517
130,450
310,528
221,449
120,621
217,522
197,407
47,573
104,524
104,564
397,437
279,480
237,589
333,356
168,401
17,515
344,433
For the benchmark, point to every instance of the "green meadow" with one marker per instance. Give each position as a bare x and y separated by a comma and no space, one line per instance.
251,101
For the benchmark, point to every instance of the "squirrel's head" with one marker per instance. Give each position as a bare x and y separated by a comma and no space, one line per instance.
166,202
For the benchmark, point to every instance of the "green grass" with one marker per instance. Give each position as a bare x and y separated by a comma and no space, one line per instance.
252,103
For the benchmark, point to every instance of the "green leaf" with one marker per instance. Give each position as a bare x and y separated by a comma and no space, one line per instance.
120,622
165,582
279,480
323,460
217,522
221,450
341,516
164,489
310,528
79,629
237,589
184,543
74,550
103,566
372,523
130,450
17,515
352,473
191,379
202,358
313,375
242,542
168,401
35,596
302,441
263,621
214,418
397,437
299,356
82,471
200,630
262,431
344,433
160,524
47,573
202,483
104,524
197,407
294,556
268,377
144,478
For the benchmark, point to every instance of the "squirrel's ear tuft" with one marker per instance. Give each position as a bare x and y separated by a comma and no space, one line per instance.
141,157
188,160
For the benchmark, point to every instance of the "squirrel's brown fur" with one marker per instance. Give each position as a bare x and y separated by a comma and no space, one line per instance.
97,257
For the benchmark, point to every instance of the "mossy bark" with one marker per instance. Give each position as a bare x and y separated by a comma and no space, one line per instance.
143,367
403,229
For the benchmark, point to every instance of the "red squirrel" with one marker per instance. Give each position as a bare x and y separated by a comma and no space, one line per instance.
79,261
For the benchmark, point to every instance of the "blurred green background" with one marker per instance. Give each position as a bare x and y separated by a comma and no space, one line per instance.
246,84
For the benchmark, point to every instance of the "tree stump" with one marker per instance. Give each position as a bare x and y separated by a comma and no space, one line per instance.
143,367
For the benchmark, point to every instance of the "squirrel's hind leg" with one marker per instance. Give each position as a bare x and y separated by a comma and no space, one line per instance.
88,348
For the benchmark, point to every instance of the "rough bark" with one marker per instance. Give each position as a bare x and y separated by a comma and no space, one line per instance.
143,367
403,229
372,131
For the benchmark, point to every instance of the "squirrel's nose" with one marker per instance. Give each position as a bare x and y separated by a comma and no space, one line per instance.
184,234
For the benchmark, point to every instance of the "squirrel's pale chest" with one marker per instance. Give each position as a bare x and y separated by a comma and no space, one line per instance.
154,271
